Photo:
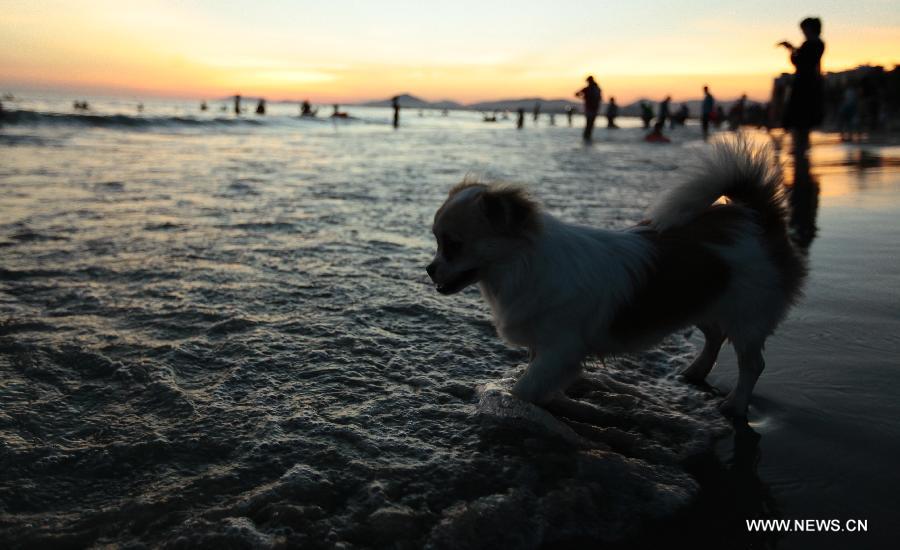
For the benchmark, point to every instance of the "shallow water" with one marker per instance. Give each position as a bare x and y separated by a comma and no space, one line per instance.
219,332
224,333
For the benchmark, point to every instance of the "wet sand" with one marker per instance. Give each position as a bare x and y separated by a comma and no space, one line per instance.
826,408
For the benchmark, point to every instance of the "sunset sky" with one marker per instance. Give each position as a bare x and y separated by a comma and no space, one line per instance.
463,50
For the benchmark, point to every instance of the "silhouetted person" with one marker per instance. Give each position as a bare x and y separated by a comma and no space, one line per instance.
569,112
681,116
656,136
395,103
552,119
612,111
520,121
806,105
706,110
663,111
306,109
646,113
203,106
736,114
237,104
537,111
140,107
847,114
261,107
591,95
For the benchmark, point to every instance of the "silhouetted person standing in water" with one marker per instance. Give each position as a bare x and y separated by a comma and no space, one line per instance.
664,110
261,107
612,111
706,110
237,104
569,112
591,95
806,104
520,121
395,103
537,111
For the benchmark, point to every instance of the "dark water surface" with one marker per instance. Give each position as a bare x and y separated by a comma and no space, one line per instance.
221,333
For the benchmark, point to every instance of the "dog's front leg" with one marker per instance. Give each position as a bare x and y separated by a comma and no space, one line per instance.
551,370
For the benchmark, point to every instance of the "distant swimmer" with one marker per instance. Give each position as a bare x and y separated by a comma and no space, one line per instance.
612,111
237,104
140,107
306,109
656,136
592,96
203,105
338,113
261,107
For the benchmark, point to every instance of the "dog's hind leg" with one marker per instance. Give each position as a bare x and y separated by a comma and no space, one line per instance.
697,371
750,366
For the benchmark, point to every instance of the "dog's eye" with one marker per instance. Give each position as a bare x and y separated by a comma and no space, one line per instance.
451,247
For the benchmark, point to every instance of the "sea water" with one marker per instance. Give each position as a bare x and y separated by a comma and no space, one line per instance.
217,329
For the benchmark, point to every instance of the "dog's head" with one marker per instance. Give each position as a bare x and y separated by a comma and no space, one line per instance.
477,226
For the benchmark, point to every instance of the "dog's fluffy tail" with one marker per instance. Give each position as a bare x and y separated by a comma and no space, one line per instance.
732,169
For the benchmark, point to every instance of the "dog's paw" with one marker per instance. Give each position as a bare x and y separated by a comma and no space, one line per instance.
731,409
693,375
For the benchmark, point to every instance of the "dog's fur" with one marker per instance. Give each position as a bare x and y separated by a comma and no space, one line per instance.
566,291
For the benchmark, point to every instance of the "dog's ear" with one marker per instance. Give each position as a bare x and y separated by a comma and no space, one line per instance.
510,210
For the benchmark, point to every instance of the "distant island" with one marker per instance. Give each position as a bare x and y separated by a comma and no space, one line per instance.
408,101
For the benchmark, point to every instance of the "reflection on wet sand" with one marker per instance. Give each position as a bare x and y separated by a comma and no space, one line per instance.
803,199
734,491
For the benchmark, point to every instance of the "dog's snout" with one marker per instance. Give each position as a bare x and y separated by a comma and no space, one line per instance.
430,268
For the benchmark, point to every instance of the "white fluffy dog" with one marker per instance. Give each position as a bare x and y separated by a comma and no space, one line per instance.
566,291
